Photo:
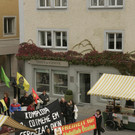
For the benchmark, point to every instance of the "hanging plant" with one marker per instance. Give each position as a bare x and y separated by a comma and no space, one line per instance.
124,62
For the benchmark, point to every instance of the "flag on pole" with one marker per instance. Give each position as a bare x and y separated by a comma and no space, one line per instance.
35,96
4,105
4,77
22,82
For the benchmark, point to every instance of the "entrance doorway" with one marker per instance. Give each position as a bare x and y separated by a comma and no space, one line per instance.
84,87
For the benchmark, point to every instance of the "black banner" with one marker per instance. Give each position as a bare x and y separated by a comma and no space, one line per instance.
40,119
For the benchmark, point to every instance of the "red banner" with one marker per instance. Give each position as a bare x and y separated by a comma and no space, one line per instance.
77,127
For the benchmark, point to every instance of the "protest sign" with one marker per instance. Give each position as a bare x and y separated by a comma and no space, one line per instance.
49,116
77,127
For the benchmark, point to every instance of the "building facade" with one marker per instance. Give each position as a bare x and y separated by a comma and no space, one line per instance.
9,38
59,25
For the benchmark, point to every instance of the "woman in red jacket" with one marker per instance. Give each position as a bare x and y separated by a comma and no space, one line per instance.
31,107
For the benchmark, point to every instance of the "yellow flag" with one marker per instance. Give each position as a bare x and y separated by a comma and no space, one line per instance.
4,104
22,82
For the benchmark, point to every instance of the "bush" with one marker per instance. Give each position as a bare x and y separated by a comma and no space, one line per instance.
69,92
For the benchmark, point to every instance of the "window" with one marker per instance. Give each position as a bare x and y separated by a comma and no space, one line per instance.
52,4
97,2
114,41
53,39
115,3
46,38
45,3
42,80
9,25
60,39
60,3
60,82
106,3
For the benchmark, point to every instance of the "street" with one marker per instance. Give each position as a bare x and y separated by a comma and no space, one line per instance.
87,110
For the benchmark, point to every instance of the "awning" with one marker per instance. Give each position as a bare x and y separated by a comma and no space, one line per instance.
7,121
114,86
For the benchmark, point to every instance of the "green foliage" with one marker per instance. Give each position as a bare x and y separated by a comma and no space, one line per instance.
118,60
69,92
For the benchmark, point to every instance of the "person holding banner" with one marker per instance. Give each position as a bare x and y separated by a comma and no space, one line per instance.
7,102
25,100
45,98
98,117
14,107
31,107
63,104
69,113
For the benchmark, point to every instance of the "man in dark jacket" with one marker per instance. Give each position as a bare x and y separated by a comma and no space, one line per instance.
98,117
69,113
63,104
45,98
25,100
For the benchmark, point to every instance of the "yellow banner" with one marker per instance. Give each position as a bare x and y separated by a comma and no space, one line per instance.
22,82
4,104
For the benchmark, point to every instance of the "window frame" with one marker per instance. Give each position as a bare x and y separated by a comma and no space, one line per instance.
53,83
116,5
42,71
52,5
54,34
61,6
45,7
106,5
53,41
14,26
98,6
106,40
39,39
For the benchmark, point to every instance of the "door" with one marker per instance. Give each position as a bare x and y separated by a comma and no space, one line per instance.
84,87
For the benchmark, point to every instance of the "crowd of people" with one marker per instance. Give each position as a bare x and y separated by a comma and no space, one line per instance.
69,109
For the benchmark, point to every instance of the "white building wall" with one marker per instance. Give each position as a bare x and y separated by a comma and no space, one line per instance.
81,22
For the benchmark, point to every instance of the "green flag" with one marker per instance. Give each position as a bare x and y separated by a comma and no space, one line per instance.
4,78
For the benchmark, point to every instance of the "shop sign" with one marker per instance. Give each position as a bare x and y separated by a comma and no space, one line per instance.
49,63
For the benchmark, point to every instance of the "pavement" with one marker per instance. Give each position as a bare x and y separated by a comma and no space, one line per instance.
86,111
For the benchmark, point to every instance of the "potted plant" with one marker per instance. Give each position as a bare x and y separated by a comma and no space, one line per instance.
69,95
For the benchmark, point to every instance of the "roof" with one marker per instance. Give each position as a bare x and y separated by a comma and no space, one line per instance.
6,120
114,86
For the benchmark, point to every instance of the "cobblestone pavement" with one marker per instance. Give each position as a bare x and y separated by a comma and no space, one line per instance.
87,110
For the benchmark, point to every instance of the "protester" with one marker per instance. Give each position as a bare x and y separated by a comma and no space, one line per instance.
25,100
31,107
7,102
14,85
45,98
63,108
72,106
14,107
69,113
75,114
48,132
98,117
